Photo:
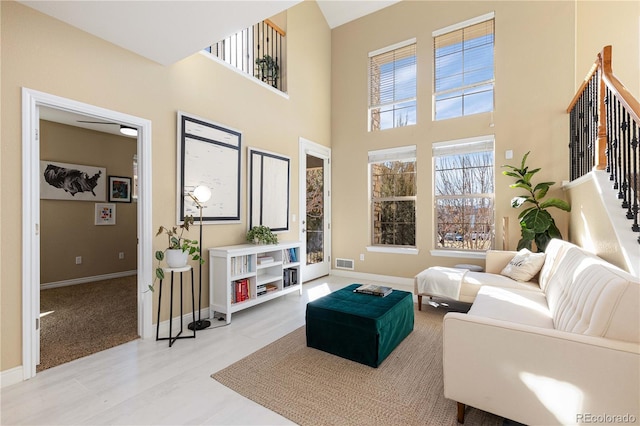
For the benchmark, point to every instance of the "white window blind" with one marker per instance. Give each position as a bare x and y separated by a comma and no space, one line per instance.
392,86
464,68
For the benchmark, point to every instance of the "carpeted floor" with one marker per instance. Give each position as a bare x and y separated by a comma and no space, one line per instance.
311,387
83,319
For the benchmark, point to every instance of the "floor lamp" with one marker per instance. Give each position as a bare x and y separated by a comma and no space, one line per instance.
199,196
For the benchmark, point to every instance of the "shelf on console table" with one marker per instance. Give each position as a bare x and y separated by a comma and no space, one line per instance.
239,280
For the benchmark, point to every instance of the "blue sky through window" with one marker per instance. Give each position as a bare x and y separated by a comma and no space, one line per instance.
461,68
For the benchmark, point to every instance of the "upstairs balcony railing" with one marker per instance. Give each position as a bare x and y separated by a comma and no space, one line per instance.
259,51
604,120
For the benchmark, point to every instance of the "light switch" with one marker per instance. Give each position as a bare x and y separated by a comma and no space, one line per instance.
508,154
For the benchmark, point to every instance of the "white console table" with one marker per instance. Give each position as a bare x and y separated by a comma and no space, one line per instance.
246,275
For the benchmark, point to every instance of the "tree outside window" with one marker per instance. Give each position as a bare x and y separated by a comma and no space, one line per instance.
393,199
464,195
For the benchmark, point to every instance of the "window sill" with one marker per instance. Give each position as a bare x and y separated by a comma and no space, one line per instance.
394,250
459,254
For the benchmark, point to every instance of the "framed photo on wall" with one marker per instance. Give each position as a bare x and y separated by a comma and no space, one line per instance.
119,189
64,181
105,214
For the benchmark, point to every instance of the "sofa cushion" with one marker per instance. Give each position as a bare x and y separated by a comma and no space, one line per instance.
524,265
473,281
589,296
513,305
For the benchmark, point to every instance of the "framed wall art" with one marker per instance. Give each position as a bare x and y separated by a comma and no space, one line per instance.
119,189
269,180
208,155
105,214
63,181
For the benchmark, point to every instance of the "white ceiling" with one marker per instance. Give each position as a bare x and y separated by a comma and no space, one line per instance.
169,31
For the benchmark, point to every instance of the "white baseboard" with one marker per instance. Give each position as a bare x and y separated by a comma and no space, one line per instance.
397,281
11,377
85,280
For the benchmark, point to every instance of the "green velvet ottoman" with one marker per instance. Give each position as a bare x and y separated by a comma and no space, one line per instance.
359,327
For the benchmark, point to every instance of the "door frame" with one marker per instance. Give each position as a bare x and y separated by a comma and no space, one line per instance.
308,147
32,100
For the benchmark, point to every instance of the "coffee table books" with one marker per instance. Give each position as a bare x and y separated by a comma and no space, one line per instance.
376,290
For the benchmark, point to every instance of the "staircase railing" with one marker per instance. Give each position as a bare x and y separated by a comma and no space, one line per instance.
259,51
604,131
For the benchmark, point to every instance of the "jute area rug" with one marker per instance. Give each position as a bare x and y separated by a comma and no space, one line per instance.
311,387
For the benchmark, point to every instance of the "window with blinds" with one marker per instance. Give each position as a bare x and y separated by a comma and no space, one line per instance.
392,183
464,194
392,86
464,68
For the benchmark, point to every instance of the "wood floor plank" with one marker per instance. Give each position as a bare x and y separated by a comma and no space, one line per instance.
146,382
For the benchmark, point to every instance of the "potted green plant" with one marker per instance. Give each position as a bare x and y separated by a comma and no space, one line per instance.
261,235
536,223
178,250
268,68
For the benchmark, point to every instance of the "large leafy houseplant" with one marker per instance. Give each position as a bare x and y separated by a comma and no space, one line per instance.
536,223
176,241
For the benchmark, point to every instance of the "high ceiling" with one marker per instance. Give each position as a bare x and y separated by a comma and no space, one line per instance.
169,31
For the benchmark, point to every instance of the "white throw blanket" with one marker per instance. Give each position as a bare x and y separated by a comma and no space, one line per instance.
441,281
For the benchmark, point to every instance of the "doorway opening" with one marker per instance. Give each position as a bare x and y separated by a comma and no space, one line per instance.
315,208
32,102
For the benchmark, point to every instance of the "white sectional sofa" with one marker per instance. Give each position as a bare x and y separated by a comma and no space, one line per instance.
566,351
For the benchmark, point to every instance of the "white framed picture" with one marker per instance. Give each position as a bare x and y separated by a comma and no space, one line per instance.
105,214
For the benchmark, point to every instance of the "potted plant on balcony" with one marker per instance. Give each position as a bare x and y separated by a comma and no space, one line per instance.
178,250
536,223
261,235
268,69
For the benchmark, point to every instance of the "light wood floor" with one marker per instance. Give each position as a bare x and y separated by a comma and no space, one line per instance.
146,382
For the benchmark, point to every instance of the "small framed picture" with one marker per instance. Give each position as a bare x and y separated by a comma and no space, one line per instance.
119,189
105,214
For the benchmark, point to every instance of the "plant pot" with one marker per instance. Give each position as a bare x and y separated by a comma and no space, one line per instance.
176,258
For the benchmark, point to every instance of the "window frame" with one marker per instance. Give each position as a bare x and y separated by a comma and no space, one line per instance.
462,88
473,145
395,102
405,154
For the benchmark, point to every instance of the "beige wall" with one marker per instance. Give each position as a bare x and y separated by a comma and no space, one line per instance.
67,228
534,83
44,54
615,23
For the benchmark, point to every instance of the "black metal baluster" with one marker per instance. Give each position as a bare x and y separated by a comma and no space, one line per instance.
620,153
624,145
634,178
609,150
626,130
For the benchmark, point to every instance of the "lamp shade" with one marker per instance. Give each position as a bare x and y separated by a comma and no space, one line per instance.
202,193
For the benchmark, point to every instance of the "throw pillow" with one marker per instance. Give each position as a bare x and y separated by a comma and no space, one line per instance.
524,265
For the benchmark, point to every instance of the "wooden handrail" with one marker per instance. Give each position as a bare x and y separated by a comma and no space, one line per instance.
608,79
275,27
630,103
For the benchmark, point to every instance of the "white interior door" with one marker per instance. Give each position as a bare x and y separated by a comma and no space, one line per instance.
315,209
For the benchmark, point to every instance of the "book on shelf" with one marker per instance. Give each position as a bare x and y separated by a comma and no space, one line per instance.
240,291
289,277
375,290
265,259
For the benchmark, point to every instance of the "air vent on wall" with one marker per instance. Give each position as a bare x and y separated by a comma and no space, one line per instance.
344,263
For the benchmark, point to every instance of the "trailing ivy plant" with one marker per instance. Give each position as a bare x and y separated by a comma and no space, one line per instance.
536,223
262,234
